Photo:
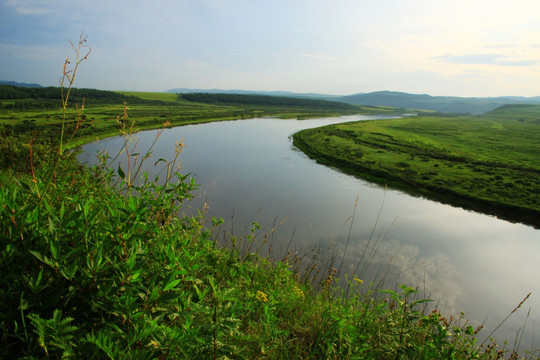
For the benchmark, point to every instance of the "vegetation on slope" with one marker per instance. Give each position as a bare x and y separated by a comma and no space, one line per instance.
487,163
25,98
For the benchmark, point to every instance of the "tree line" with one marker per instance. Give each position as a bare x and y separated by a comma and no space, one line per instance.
17,97
265,100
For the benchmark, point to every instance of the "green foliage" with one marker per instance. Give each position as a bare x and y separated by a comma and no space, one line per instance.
25,98
54,335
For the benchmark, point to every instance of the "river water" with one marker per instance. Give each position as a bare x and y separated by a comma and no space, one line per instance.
249,171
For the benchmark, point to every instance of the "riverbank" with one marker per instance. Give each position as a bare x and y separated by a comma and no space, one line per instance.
487,164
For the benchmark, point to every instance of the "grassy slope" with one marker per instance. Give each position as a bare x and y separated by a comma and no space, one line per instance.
487,163
151,95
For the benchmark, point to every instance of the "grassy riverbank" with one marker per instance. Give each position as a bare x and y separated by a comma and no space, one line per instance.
487,163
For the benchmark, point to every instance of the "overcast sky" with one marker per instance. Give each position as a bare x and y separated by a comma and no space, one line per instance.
437,47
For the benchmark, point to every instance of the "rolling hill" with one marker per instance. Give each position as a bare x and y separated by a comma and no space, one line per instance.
446,104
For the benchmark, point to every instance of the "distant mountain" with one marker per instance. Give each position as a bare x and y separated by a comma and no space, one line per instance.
14,83
447,104
253,92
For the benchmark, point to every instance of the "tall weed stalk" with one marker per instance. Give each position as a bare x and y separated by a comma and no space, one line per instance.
82,50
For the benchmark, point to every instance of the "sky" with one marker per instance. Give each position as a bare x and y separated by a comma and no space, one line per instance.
471,48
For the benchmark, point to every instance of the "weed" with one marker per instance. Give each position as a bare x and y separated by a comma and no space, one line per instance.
66,84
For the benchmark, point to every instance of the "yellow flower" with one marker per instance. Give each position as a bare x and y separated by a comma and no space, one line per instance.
358,280
262,296
298,292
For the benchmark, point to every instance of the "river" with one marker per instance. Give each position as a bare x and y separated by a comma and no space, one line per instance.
249,171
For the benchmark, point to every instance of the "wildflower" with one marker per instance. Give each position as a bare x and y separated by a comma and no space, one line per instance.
360,281
298,292
262,297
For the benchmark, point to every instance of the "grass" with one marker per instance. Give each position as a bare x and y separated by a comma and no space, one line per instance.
159,96
487,163
99,119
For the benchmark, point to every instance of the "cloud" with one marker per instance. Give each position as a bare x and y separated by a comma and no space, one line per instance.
27,7
375,44
500,46
484,59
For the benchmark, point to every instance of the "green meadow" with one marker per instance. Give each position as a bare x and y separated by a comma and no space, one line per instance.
489,163
26,111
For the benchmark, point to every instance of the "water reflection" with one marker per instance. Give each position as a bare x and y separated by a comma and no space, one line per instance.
249,171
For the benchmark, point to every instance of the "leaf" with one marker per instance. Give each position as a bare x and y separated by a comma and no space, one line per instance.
43,258
54,250
168,296
69,273
391,292
24,185
121,172
421,301
62,210
171,284
160,160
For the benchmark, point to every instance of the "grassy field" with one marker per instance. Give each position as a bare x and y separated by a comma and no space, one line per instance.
488,163
160,96
147,110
